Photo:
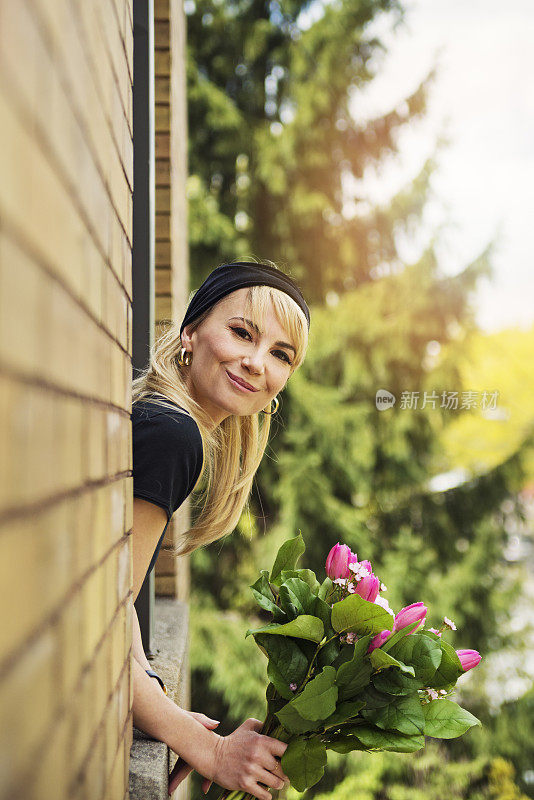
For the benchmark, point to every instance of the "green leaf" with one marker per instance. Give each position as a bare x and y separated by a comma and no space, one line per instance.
374,738
330,651
445,719
264,597
293,722
303,762
381,660
318,699
349,671
345,744
373,698
359,616
295,592
325,588
287,557
287,662
449,669
303,627
423,653
343,712
397,636
403,714
396,683
306,575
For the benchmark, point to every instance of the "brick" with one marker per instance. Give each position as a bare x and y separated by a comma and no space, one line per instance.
165,586
116,517
161,9
124,570
51,769
163,281
163,307
163,172
94,774
163,200
128,499
163,226
162,117
70,633
68,437
162,62
92,591
162,89
57,116
21,284
43,544
94,451
29,699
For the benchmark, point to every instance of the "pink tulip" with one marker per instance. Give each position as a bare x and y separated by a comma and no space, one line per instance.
368,588
409,614
338,560
367,565
468,658
378,640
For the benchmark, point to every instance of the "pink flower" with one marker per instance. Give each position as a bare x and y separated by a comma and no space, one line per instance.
293,687
409,614
337,561
468,658
378,640
435,630
368,588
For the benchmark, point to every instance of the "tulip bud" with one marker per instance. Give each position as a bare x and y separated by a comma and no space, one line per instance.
337,561
378,640
468,658
409,614
368,588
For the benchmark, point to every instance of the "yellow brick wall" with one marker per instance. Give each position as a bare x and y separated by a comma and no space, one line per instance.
65,397
172,286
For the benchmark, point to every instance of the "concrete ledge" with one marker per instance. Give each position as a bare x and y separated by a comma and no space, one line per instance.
150,760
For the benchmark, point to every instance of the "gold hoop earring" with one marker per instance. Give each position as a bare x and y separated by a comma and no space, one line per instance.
276,406
184,357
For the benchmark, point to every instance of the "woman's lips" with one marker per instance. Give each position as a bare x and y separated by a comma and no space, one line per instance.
245,387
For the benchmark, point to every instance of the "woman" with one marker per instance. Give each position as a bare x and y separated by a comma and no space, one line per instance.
202,409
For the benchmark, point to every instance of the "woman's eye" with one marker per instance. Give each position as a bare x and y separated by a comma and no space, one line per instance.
242,333
283,356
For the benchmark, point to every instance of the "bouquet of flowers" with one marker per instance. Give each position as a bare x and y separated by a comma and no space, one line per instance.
346,672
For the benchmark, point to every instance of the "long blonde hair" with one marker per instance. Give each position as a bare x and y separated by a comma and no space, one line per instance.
233,449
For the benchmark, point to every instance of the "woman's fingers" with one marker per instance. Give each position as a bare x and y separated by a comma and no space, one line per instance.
208,722
179,773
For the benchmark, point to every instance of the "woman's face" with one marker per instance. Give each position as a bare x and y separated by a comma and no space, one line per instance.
235,368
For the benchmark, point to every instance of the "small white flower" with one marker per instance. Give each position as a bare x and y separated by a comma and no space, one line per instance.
449,623
383,587
433,695
293,687
381,601
359,570
351,637
340,581
442,692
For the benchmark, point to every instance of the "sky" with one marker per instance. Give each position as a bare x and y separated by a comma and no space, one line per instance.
483,101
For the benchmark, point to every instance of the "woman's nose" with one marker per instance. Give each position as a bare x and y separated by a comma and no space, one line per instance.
254,362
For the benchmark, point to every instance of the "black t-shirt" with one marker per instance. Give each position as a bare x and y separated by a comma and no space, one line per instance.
167,457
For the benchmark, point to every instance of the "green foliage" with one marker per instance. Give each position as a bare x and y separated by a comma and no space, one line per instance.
270,141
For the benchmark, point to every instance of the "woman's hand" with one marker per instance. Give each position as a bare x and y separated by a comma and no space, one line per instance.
246,758
181,769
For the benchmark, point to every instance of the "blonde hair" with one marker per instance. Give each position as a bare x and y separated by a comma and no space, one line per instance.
232,450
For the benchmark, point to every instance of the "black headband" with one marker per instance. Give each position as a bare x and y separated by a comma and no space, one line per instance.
229,277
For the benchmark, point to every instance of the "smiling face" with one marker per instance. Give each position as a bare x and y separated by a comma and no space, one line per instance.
237,368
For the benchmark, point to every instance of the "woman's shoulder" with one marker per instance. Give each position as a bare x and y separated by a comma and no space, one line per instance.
168,422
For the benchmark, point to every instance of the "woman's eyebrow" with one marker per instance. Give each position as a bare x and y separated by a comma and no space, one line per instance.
255,327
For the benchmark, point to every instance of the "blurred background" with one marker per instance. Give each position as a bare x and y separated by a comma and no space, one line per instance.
381,152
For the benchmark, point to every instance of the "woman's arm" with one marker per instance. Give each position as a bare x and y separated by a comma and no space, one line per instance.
239,761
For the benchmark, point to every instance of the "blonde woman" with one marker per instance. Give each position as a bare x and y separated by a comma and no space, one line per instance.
201,413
